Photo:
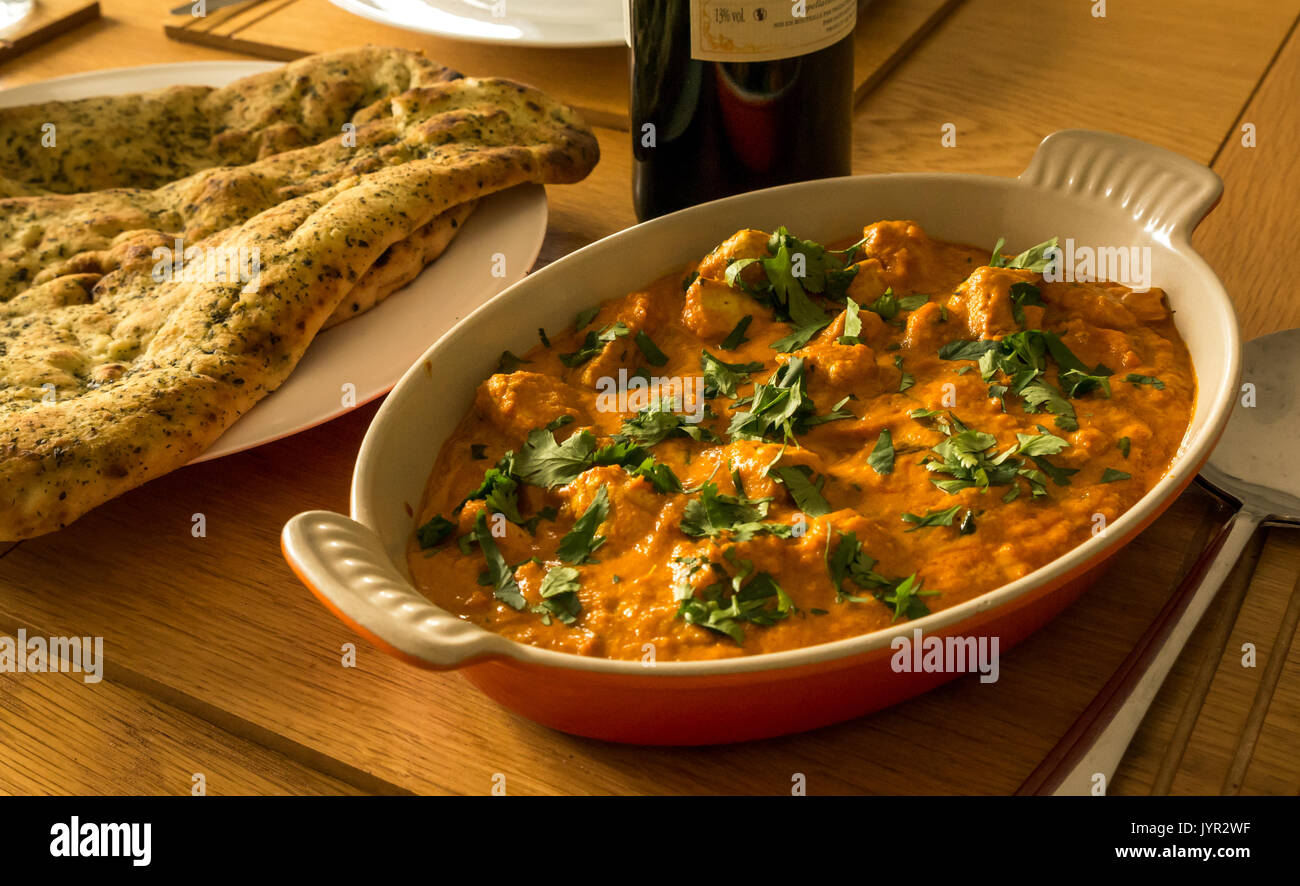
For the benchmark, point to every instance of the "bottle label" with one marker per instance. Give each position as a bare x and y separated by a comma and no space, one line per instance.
740,31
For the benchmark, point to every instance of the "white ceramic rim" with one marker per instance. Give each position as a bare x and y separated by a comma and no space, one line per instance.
1195,449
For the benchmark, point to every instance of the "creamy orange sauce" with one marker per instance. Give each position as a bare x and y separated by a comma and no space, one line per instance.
630,588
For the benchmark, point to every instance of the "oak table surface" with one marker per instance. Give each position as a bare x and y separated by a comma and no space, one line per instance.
221,668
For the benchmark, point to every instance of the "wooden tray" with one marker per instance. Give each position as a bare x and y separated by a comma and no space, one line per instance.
592,80
48,20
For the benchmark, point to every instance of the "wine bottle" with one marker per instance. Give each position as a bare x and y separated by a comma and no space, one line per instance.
729,96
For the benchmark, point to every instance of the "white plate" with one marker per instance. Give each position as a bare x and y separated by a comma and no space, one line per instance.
369,352
547,23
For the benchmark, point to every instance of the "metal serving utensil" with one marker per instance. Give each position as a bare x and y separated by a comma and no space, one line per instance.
1253,464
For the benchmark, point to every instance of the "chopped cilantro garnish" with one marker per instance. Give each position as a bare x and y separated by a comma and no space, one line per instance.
849,562
852,324
658,422
747,602
711,514
594,343
721,378
1135,379
907,379
509,363
736,337
1022,358
580,542
646,345
1110,475
559,592
780,408
1023,293
806,492
881,458
499,574
435,532
544,462
888,305
792,269
1032,259
584,318
499,489
932,518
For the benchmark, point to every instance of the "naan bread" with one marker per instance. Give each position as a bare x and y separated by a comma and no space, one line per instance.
148,139
109,377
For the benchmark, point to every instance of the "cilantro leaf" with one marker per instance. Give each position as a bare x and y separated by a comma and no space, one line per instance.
584,318
721,378
907,379
1110,475
1032,259
736,337
1135,379
852,324
594,343
712,514
559,592
849,562
1024,293
747,602
657,422
580,542
932,518
435,532
499,574
544,462
646,345
806,492
881,458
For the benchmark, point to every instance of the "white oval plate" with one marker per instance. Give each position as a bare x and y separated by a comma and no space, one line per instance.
369,352
554,24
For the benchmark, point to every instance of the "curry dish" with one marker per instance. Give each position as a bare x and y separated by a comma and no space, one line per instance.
790,444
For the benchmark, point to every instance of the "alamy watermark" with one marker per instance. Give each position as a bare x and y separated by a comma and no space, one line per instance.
208,264
945,655
1130,265
42,655
634,393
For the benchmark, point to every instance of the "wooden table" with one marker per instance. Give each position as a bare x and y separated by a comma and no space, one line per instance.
219,663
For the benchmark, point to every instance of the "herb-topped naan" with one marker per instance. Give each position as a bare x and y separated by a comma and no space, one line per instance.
109,376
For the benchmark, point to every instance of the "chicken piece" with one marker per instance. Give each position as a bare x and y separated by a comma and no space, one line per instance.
743,244
983,303
1098,303
713,309
634,505
1148,307
521,401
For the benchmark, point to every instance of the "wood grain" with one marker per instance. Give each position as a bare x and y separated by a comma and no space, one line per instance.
48,19
59,735
218,633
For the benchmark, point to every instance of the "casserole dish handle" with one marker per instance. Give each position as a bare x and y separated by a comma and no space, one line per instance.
345,565
1166,193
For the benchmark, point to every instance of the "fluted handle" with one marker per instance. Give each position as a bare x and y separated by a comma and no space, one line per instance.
345,565
1165,192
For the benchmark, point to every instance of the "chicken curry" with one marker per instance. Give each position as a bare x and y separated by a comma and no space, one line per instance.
789,444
